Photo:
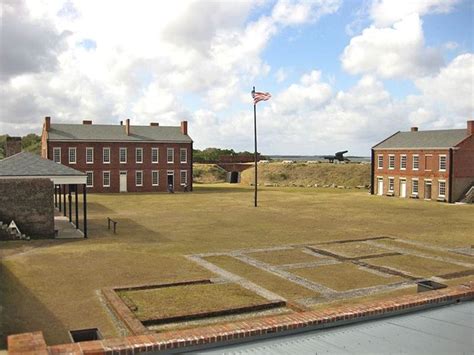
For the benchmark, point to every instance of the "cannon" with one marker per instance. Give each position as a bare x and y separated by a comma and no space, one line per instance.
338,156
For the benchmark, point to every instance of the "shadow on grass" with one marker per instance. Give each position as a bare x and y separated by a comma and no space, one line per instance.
21,311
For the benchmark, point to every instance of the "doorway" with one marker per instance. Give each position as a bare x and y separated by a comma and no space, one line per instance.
234,177
403,188
170,179
123,181
428,190
380,186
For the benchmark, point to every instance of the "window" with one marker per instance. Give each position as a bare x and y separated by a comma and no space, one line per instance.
416,162
442,163
391,184
139,178
89,155
391,161
90,179
154,155
380,161
106,155
155,178
414,186
403,162
139,155
123,155
183,155
106,178
170,155
442,188
183,177
57,155
72,155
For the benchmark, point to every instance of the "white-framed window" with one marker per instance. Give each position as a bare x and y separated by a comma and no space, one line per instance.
57,155
414,186
183,155
106,178
123,155
391,184
139,155
170,155
441,188
155,155
90,179
106,155
416,162
155,178
391,161
380,161
139,178
72,155
89,155
183,177
442,163
403,162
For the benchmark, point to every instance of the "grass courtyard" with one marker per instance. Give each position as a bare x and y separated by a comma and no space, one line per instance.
54,285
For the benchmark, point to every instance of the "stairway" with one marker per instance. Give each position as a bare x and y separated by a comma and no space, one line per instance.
6,234
469,196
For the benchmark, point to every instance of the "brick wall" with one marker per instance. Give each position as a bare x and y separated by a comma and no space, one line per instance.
463,172
115,167
29,202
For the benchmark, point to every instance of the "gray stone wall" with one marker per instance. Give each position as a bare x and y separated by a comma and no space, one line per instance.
29,202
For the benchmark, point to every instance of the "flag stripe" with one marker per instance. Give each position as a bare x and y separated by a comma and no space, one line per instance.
260,96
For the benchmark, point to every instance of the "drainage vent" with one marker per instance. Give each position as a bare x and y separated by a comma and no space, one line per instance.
429,285
85,335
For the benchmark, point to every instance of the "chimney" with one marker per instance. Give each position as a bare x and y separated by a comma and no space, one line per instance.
154,124
184,127
470,127
12,146
86,122
414,129
47,123
127,126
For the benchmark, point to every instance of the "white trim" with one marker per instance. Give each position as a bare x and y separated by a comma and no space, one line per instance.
90,172
445,187
157,178
445,163
380,160
391,158
120,155
136,180
136,155
69,151
406,161
417,186
180,177
167,155
58,180
413,162
186,155
103,155
153,149
92,149
103,178
393,183
55,149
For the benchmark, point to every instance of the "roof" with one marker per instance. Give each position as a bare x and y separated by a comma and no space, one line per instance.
446,138
26,164
441,330
116,133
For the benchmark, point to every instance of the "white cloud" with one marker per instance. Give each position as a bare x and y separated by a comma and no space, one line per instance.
281,75
293,12
386,12
393,52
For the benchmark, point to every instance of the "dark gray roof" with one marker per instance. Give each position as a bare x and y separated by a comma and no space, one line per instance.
28,164
446,138
116,133
443,330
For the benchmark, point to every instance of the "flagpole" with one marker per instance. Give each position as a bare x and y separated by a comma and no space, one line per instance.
255,141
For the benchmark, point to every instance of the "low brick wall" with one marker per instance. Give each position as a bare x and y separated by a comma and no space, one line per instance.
29,202
220,334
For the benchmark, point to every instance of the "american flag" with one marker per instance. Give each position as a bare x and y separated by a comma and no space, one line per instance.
260,96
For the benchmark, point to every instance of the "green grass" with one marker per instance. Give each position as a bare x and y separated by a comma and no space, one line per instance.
352,250
52,285
190,299
286,256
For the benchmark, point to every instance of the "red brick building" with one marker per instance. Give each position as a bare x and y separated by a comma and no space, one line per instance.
122,157
430,165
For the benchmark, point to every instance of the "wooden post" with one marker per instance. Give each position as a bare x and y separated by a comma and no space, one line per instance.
84,208
77,206
70,202
64,199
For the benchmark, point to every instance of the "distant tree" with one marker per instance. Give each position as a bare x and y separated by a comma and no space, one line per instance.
3,138
29,143
212,155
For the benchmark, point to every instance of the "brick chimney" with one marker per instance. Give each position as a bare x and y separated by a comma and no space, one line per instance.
86,122
184,127
127,126
47,123
154,124
12,146
414,129
470,127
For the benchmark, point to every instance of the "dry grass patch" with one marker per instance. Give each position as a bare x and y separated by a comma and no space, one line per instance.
352,250
344,276
271,282
417,266
166,302
282,257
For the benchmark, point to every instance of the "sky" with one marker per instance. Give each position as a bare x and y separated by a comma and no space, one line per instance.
343,74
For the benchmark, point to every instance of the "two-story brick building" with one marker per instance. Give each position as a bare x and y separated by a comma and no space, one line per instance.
430,165
122,157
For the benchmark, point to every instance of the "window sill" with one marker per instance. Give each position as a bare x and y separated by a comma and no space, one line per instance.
414,196
390,194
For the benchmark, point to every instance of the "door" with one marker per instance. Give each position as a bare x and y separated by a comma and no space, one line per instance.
123,181
427,190
403,188
380,186
170,180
